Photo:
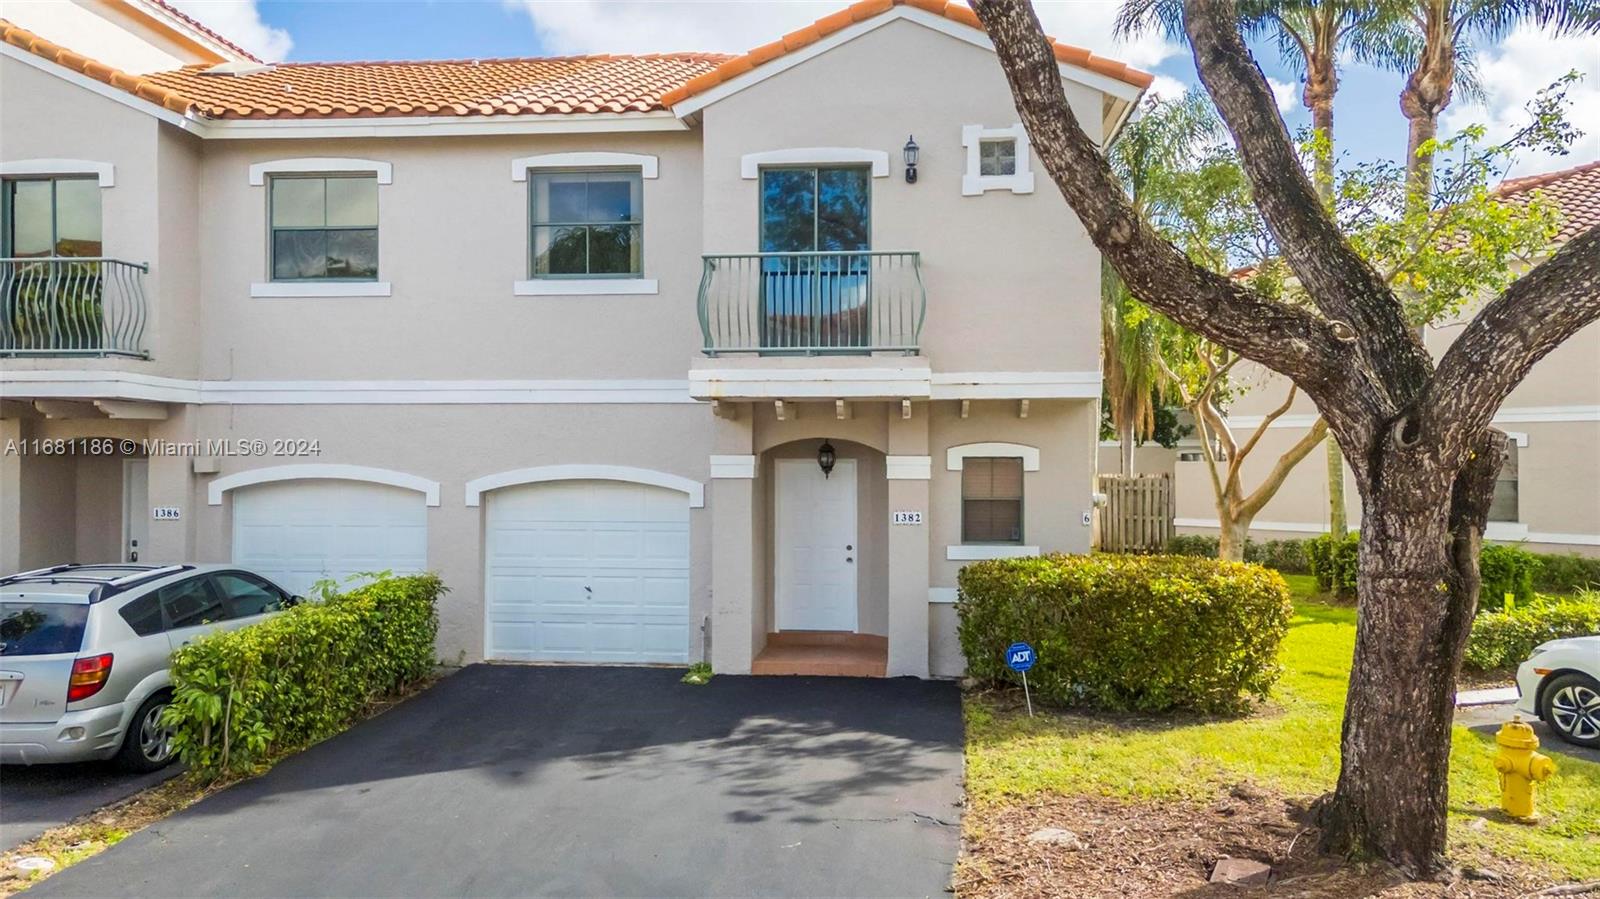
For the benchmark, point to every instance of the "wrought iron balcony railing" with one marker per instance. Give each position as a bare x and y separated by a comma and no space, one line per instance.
812,303
65,306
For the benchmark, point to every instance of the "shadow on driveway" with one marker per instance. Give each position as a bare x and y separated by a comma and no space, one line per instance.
522,780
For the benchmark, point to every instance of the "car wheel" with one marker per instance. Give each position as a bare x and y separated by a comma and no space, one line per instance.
1571,707
148,744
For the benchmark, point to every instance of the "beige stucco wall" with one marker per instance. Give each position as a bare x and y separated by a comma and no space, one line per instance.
1556,408
452,240
1011,279
103,30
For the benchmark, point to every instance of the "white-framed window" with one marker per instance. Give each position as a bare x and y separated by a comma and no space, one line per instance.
50,216
991,499
1504,507
585,223
997,159
322,227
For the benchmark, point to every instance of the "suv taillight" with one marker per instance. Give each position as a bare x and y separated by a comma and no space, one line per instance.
89,674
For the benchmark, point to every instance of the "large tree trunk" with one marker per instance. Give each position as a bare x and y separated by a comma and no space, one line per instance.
1418,590
1320,101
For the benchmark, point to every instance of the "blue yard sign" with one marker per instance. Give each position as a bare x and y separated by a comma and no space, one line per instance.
1020,657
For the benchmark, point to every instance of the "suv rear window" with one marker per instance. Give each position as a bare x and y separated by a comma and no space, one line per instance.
41,628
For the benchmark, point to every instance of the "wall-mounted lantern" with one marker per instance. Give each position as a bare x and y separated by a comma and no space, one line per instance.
825,458
911,159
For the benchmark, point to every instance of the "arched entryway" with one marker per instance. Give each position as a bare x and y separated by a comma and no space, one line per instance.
827,562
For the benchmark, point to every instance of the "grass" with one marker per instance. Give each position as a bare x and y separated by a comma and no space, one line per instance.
1290,746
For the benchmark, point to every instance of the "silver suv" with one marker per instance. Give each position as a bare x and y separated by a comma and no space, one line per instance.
84,651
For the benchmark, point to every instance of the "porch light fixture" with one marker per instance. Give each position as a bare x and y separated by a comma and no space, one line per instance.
911,159
825,458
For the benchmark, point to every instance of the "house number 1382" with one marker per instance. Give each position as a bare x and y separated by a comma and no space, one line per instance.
904,517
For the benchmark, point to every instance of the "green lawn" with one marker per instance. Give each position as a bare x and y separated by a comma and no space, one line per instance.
1291,746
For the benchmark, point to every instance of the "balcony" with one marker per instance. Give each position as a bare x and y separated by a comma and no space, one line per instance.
58,306
812,304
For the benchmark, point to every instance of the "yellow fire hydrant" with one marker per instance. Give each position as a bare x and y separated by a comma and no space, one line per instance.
1520,767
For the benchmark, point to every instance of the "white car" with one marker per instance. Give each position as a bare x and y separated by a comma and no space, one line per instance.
1560,683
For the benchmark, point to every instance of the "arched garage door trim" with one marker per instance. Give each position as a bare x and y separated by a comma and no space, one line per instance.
479,486
429,489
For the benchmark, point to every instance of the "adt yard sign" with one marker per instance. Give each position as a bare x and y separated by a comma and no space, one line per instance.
1020,657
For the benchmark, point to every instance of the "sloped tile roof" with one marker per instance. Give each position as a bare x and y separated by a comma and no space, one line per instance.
194,23
1575,192
573,84
866,9
137,85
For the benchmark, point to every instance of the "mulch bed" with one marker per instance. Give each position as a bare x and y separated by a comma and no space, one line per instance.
1168,848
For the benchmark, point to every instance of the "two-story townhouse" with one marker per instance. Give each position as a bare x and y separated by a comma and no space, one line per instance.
654,358
1548,494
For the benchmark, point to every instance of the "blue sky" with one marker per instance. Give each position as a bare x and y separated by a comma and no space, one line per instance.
1368,123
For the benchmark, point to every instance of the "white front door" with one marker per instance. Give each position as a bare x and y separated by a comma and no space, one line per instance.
816,546
135,510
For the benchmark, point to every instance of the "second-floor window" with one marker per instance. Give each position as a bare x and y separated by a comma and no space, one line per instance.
1504,506
51,217
324,228
586,224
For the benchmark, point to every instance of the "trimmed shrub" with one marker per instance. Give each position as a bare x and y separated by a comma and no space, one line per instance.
1333,562
1505,569
1504,639
1566,573
243,696
1287,556
1123,632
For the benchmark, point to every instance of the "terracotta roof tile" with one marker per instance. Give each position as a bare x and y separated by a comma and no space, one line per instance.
549,86
99,71
866,9
1575,192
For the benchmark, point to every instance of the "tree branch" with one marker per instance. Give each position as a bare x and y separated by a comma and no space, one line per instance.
1285,464
1337,279
1286,339
1498,347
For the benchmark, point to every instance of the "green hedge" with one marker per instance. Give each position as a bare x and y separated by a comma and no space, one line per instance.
1334,561
1141,633
1504,569
1504,639
1287,556
1566,573
243,696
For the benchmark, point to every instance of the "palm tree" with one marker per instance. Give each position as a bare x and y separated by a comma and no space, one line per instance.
1164,135
1431,43
1310,35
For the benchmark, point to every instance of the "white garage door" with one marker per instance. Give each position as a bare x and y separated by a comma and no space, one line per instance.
588,571
298,532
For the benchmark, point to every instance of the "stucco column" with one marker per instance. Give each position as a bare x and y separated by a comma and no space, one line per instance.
172,483
10,496
909,469
738,630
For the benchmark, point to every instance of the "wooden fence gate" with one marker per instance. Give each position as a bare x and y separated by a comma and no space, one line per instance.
1137,515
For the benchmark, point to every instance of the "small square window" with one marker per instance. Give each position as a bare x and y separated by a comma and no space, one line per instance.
991,500
997,157
324,228
586,224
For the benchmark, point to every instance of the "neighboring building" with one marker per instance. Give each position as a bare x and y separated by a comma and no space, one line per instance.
135,36
506,320
1548,497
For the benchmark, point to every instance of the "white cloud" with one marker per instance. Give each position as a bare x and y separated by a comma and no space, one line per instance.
240,22
641,26
1167,88
1512,72
1286,94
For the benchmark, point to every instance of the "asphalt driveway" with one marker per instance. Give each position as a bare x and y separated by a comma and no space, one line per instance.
519,781
35,798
